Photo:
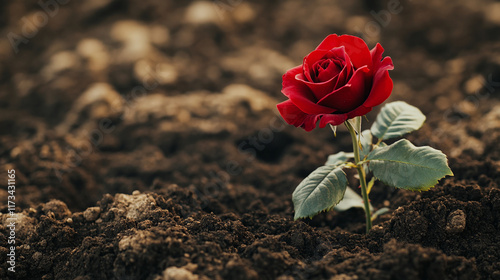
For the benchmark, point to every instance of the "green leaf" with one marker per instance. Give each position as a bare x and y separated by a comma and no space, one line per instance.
320,191
338,158
366,143
396,119
402,165
351,200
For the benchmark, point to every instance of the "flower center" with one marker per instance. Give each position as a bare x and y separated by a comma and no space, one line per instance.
326,69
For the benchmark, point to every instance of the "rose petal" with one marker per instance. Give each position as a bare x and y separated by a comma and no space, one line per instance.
382,85
319,89
385,64
346,73
308,62
311,59
288,79
300,94
294,116
376,54
377,60
323,88
360,111
316,55
355,47
349,96
333,119
332,70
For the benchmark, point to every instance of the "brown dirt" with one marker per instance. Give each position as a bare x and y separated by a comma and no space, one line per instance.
147,145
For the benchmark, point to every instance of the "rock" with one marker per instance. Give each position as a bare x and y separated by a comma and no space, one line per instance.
134,207
136,242
160,35
59,62
490,121
201,12
474,84
108,103
492,13
58,207
151,74
178,273
455,66
456,221
37,256
25,225
344,277
91,214
135,39
243,13
95,52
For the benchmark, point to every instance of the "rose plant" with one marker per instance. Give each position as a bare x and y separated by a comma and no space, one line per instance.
338,83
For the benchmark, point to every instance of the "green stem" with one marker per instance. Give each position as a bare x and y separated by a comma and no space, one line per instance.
362,176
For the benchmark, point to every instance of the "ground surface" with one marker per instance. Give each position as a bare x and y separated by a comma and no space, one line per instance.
146,143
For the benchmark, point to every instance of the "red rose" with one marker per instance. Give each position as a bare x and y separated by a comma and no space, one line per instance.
340,80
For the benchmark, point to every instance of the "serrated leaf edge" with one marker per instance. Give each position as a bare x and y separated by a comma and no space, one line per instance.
326,209
392,121
448,171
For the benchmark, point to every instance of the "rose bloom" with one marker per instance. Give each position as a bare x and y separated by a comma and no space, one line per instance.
340,80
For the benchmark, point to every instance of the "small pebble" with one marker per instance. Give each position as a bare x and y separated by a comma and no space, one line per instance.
37,256
178,273
201,12
456,221
92,213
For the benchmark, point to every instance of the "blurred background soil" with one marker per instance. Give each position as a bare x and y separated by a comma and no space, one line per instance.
147,144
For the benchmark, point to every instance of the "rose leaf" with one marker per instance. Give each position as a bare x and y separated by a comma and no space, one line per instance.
338,158
351,200
366,143
320,191
396,119
402,165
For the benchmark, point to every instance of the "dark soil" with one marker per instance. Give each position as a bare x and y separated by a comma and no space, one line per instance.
147,145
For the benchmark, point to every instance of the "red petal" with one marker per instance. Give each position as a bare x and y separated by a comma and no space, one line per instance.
377,60
382,82
333,119
381,89
360,111
350,96
309,61
319,89
355,47
300,94
317,55
376,54
332,71
294,116
346,73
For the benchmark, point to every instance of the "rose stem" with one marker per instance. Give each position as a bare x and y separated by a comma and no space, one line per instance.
362,176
